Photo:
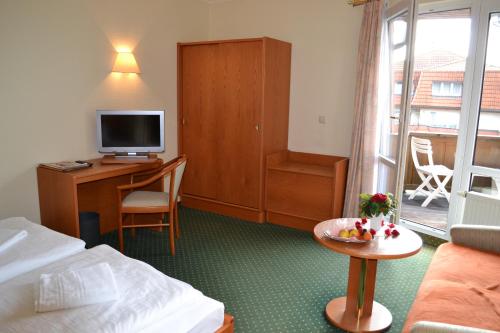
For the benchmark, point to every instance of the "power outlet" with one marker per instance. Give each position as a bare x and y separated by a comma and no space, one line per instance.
322,119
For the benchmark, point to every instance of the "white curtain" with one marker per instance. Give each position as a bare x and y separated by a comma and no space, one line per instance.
363,162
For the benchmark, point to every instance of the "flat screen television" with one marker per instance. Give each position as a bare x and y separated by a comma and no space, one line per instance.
130,132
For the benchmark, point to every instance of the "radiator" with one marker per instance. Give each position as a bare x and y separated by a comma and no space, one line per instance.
481,209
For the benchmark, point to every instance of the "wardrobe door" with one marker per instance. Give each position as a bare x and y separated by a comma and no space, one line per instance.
239,103
199,119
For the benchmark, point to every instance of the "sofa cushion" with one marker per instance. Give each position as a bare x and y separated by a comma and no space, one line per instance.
461,287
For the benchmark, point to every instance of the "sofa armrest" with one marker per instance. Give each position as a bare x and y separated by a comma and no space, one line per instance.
481,237
433,327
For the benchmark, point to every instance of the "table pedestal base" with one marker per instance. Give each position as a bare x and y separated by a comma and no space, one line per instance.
379,320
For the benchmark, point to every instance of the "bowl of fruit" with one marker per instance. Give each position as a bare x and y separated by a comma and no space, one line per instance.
351,230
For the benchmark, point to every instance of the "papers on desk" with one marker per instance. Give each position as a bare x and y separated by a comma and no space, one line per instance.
66,166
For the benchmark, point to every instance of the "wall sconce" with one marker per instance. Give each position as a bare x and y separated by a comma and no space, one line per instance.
125,63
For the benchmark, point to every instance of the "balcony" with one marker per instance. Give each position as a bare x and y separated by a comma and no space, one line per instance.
444,147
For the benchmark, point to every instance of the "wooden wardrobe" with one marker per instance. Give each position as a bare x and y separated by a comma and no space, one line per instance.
233,110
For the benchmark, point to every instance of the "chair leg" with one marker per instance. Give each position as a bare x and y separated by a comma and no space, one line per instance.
120,232
132,231
420,188
162,220
171,232
176,216
440,190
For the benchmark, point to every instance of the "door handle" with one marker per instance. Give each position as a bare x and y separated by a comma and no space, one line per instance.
257,127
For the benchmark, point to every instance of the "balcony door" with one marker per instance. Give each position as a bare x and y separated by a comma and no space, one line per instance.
440,135
481,158
393,97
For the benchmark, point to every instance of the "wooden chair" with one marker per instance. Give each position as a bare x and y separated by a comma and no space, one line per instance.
149,202
429,172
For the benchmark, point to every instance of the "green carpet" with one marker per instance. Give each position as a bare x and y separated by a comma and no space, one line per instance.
270,278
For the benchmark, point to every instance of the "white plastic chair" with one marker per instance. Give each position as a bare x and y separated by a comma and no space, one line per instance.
429,172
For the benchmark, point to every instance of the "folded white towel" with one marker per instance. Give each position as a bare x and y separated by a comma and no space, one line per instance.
70,289
9,237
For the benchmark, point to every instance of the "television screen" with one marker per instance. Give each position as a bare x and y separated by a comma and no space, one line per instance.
130,131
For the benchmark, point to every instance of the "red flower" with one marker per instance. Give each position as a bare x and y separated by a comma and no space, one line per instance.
358,225
387,232
364,220
373,232
395,232
392,225
379,198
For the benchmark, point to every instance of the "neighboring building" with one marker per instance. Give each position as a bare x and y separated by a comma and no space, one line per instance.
437,95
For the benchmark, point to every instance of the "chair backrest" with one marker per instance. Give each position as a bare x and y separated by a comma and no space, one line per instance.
179,172
172,179
422,146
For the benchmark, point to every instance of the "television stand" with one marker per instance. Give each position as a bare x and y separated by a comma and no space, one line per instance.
133,159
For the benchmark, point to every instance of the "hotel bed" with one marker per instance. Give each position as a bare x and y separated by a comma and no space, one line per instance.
149,301
40,247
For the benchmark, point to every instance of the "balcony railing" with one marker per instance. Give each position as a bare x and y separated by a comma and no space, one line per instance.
444,146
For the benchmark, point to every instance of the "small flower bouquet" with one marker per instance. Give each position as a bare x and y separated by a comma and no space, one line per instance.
371,205
377,207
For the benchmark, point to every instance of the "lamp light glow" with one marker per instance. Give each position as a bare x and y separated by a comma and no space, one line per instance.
125,63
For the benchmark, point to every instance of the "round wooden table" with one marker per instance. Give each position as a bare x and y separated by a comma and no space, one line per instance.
368,315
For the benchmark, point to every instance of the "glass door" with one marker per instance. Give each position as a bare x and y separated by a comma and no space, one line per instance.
440,129
482,154
395,68
442,38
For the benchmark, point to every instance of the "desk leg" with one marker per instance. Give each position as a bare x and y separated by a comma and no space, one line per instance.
368,316
58,201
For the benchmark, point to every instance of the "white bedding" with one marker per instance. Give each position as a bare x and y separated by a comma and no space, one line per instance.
204,315
9,237
149,301
40,247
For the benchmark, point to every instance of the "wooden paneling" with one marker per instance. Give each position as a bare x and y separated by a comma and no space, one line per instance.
305,188
277,62
239,103
241,212
299,194
199,119
287,220
444,148
247,96
339,185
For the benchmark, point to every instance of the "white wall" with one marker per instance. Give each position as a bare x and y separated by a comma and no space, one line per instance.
55,62
56,57
324,34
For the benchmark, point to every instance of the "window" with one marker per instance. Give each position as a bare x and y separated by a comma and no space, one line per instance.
398,88
439,119
446,89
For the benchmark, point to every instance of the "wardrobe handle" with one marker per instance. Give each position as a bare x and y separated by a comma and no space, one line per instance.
257,127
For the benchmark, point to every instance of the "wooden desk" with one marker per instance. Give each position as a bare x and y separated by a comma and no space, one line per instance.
63,194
